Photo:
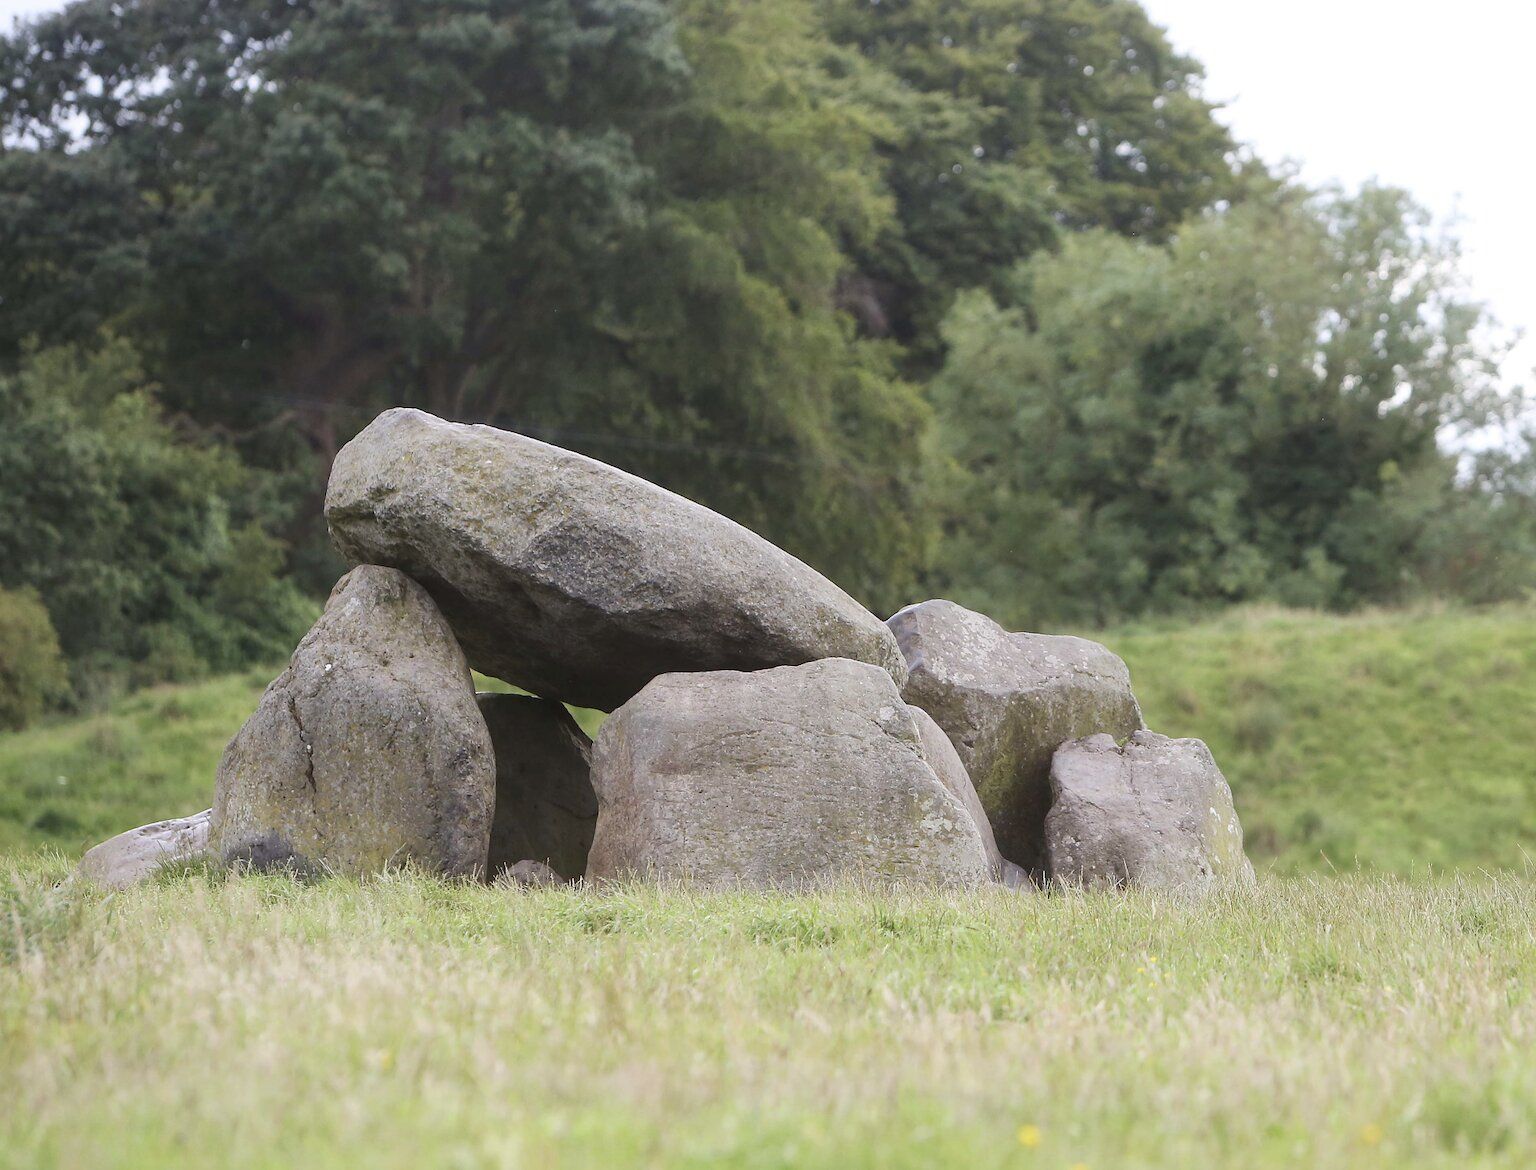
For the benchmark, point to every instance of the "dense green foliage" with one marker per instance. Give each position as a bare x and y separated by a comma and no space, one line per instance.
1378,739
148,548
1006,124
1251,412
31,665
616,222
963,295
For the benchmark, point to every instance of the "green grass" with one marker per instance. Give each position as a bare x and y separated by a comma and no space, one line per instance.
403,1022
1361,1020
73,782
1391,741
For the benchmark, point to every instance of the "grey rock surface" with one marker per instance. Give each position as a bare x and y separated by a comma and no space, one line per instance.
575,580
531,874
368,750
1155,813
545,807
139,853
1016,877
778,778
946,765
1007,702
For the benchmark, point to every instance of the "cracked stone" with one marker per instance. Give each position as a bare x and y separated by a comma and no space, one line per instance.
1007,701
1155,812
368,751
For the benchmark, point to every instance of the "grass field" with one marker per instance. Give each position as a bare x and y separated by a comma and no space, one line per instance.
1392,741
1356,1019
255,1022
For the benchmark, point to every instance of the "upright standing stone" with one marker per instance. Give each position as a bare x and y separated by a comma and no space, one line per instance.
575,580
778,778
369,750
545,807
1007,702
1155,813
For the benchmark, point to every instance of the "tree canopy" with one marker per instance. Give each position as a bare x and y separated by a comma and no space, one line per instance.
968,295
1007,124
1250,412
613,221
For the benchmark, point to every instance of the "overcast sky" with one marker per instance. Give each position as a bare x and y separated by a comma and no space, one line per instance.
1422,94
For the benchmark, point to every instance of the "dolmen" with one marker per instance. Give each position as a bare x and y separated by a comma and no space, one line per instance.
765,730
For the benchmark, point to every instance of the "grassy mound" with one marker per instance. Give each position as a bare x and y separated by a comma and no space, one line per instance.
1387,740
1391,740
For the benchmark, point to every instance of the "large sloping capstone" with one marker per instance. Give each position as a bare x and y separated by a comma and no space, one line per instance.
369,750
140,853
572,579
545,807
778,778
1007,702
1156,813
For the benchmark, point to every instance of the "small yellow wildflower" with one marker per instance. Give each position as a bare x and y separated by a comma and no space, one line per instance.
1078,1166
1371,1134
1029,1136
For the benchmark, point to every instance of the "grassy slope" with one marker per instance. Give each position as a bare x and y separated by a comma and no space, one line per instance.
1394,739
1326,1023
72,782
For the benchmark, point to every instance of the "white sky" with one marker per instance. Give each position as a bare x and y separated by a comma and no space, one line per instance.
1422,94
1428,95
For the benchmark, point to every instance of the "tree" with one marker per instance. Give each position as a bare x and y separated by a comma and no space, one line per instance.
749,249
613,222
1251,411
1003,124
153,554
324,197
32,674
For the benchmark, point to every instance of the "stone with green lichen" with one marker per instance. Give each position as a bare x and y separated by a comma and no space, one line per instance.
368,751
1007,702
575,580
776,778
1154,812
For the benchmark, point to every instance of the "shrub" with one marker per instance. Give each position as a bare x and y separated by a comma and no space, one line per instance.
150,545
32,676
